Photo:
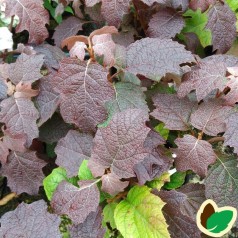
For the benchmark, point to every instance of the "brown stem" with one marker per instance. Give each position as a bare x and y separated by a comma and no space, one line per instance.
7,198
11,24
216,139
117,197
200,134
114,75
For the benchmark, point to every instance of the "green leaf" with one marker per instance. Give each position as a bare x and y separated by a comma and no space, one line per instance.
233,4
163,131
195,22
140,215
84,172
108,215
176,180
219,221
158,183
51,182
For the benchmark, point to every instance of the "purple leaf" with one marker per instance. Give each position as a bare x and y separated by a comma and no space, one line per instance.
153,57
112,185
24,172
113,11
32,17
91,227
165,24
231,131
174,112
72,150
84,89
193,154
75,202
67,28
26,69
20,116
222,23
119,146
210,117
210,73
48,100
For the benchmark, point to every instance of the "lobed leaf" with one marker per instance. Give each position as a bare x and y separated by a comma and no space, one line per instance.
82,103
119,146
27,220
72,150
33,18
154,57
193,154
24,172
75,202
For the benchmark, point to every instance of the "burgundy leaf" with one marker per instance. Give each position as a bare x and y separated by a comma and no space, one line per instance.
153,140
26,69
91,227
153,57
222,23
125,37
72,150
204,78
181,225
91,3
75,202
176,4
103,45
15,142
232,96
113,11
67,28
24,172
33,18
20,116
78,50
155,163
194,196
48,100
228,60
153,166
84,89
174,112
202,4
210,117
165,24
52,55
119,146
95,14
111,184
231,131
193,154
54,129
151,2
30,220
4,152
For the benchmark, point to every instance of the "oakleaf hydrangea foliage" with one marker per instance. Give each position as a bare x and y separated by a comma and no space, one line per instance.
118,118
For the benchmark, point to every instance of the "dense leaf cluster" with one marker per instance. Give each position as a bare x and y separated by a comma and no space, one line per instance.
124,111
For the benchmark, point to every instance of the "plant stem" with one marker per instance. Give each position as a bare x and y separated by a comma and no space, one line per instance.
216,139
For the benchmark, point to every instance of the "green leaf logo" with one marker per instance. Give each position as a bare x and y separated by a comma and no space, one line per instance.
214,221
